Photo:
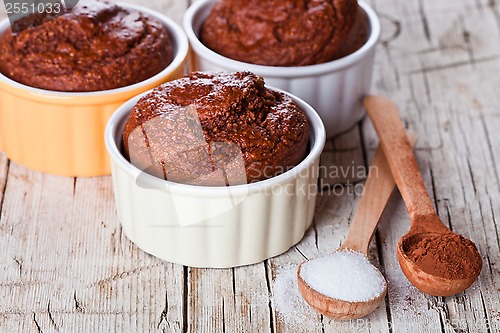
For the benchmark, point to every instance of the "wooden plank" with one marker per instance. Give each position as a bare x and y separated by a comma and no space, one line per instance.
464,171
334,211
31,200
468,195
68,266
228,300
440,92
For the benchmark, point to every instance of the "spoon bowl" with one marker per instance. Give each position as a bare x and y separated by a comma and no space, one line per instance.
336,308
424,281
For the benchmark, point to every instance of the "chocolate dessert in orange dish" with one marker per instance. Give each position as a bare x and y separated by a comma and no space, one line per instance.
216,129
285,32
95,46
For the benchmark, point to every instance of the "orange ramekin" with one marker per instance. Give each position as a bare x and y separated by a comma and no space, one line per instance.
62,132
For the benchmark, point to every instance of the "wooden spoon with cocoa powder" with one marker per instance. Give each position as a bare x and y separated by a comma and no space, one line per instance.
436,260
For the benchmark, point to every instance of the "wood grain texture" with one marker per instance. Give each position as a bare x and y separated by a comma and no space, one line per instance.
384,116
434,61
4,169
66,265
378,189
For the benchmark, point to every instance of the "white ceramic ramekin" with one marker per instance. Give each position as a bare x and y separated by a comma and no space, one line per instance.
61,132
334,89
217,227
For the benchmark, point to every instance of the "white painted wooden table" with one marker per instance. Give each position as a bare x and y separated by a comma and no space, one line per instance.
65,265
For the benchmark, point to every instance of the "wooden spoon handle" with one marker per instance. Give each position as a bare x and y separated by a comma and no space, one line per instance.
379,186
390,129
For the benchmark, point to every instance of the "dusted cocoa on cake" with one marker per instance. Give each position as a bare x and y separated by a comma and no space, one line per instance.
211,128
285,32
96,46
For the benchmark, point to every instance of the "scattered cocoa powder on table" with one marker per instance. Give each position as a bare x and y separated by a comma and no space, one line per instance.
448,255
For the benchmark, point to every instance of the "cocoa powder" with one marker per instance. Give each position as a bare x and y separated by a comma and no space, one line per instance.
449,255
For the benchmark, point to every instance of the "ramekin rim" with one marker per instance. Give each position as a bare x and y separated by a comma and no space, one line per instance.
176,32
317,131
280,71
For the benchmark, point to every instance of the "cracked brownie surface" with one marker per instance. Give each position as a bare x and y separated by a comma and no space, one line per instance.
285,32
95,46
190,127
